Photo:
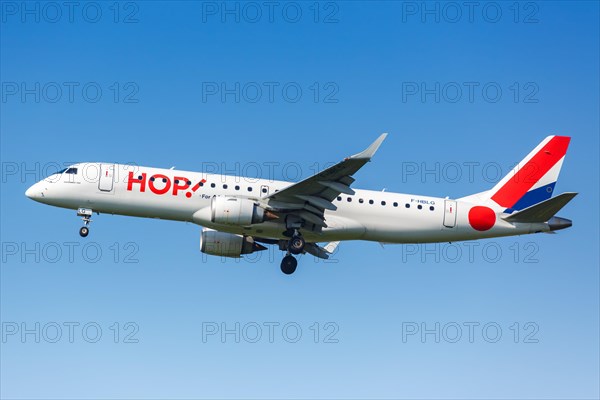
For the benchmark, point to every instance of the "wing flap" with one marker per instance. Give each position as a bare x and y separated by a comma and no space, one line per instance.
310,217
331,246
318,202
321,252
337,186
313,210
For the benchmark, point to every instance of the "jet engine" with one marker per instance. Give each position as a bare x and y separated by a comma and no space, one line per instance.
237,211
226,244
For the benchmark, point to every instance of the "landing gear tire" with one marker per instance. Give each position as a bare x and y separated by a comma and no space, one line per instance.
296,245
288,265
86,216
84,231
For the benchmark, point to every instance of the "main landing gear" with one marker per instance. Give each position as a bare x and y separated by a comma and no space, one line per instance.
289,264
86,216
294,246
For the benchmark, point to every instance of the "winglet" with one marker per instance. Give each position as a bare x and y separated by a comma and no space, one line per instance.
370,151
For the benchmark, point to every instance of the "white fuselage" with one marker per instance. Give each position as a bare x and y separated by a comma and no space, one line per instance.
170,194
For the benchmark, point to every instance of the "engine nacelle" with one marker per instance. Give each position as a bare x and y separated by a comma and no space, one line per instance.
237,211
226,244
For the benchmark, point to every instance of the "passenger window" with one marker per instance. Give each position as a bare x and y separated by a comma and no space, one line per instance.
370,201
349,199
361,201
407,205
249,188
212,185
339,198
383,203
395,204
225,186
432,208
419,206
237,187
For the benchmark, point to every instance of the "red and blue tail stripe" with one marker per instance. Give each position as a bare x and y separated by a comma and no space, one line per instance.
534,178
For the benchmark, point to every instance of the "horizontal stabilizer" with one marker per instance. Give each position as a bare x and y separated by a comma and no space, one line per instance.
541,212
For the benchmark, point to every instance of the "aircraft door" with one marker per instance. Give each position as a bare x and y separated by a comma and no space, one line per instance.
107,172
449,213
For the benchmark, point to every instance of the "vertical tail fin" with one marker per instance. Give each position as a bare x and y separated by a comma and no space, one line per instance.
533,179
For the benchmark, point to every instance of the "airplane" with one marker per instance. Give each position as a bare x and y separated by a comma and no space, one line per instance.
240,217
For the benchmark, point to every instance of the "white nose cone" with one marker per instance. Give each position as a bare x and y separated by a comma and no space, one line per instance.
29,192
34,192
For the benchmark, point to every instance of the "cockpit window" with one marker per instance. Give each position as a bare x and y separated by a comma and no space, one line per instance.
71,171
61,171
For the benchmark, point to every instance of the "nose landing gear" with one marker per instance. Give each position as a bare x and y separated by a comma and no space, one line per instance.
86,216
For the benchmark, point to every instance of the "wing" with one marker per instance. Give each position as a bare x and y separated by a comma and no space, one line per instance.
308,199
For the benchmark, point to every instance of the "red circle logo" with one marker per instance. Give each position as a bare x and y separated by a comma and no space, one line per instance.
482,218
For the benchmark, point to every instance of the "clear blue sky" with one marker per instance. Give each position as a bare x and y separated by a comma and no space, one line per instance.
179,82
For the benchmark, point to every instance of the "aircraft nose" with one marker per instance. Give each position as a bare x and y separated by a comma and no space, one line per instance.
30,192
34,192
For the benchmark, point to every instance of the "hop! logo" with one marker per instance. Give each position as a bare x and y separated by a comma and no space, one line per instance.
162,184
